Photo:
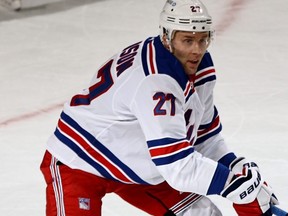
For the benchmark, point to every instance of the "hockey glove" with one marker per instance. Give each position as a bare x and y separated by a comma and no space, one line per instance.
239,163
265,197
261,205
243,188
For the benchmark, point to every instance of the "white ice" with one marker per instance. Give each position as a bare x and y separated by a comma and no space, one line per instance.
48,54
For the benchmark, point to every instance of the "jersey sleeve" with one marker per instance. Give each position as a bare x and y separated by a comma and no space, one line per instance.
209,141
159,106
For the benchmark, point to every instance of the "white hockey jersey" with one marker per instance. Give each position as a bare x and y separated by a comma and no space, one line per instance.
141,121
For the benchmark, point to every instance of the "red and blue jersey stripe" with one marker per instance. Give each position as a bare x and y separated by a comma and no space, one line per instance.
205,75
206,131
168,150
157,60
89,149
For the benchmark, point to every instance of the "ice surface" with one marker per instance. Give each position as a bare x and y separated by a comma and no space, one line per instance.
49,53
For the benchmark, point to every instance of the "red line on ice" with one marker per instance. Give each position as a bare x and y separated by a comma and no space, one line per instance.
231,14
30,115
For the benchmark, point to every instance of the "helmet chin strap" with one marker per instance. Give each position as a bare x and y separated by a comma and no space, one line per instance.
170,47
166,40
166,43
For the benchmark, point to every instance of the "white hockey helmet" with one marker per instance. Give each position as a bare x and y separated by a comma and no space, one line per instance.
184,15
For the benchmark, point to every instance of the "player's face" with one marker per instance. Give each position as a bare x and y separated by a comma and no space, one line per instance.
189,48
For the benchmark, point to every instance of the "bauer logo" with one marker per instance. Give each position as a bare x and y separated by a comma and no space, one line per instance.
84,203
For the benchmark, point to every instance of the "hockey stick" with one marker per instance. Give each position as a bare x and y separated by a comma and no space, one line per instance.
277,211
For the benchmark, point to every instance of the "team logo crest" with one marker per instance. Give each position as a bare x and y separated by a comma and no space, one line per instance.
84,203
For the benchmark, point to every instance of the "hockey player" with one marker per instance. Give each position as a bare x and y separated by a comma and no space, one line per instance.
147,130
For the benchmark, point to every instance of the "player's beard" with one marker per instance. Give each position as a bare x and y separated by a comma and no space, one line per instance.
190,67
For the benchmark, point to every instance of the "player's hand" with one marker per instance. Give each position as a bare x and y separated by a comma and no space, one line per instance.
239,163
243,188
261,205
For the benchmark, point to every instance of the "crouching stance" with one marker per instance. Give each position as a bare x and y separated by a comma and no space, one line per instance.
147,129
